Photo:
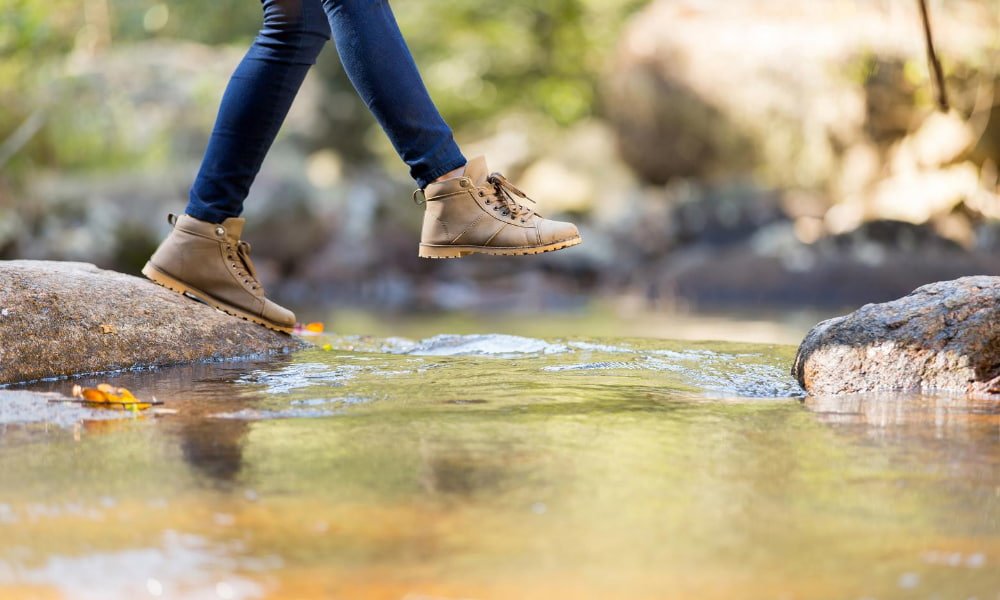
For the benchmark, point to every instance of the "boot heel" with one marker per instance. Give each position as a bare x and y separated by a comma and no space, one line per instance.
428,251
157,276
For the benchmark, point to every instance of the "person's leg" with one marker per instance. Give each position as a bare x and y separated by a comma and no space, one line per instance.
255,104
204,256
468,209
383,72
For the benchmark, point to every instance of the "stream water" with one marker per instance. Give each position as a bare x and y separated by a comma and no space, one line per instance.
500,466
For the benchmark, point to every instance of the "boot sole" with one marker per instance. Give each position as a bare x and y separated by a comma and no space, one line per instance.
444,251
160,278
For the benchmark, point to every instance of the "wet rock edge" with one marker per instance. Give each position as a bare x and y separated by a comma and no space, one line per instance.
62,319
942,337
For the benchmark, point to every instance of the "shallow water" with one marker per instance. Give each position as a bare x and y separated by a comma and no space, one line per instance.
498,466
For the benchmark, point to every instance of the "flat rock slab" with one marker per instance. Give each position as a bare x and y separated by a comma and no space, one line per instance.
20,407
63,318
942,337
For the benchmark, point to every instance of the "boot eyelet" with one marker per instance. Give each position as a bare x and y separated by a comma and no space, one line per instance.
481,193
219,231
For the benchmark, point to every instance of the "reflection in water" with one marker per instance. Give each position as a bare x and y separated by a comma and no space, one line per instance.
907,416
506,467
464,469
955,434
888,409
215,449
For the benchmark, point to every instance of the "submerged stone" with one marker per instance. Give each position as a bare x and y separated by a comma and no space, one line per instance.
64,318
942,337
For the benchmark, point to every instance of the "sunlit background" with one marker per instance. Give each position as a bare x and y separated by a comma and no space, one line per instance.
729,157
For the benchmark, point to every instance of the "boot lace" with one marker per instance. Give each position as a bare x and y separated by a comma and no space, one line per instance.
504,191
240,260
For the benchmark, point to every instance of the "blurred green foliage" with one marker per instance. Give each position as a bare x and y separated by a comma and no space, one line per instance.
527,54
482,60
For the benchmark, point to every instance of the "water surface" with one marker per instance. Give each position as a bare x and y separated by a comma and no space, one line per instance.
500,466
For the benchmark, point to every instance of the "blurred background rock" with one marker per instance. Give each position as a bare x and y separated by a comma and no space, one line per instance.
728,153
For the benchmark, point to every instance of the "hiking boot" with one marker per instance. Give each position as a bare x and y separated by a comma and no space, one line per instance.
209,262
481,213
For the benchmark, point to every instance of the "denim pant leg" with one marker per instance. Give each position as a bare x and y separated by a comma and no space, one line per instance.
255,104
382,70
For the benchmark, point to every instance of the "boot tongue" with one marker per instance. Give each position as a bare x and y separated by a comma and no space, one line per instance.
234,227
234,230
476,170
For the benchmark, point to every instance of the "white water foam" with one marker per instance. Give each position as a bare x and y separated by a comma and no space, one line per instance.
297,376
492,344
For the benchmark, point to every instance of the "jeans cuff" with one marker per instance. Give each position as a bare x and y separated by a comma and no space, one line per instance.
206,214
452,160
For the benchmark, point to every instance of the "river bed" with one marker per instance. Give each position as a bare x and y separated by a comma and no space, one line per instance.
502,466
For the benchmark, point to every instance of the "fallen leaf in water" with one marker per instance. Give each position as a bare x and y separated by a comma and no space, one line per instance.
94,396
108,396
315,328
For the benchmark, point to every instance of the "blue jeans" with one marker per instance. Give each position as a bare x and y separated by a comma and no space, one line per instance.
261,91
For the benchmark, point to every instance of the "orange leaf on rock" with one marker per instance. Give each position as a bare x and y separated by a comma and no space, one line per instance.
315,327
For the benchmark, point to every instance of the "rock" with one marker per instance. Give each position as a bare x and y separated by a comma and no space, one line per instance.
22,407
62,318
942,337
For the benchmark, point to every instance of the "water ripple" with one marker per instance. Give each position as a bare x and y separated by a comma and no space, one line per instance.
492,344
347,401
257,414
717,374
293,377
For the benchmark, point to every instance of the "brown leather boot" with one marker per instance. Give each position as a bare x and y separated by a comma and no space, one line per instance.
209,262
478,212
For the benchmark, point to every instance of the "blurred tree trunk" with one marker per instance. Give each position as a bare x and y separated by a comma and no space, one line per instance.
942,92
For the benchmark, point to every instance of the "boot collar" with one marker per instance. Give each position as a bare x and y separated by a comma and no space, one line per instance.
231,229
473,176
